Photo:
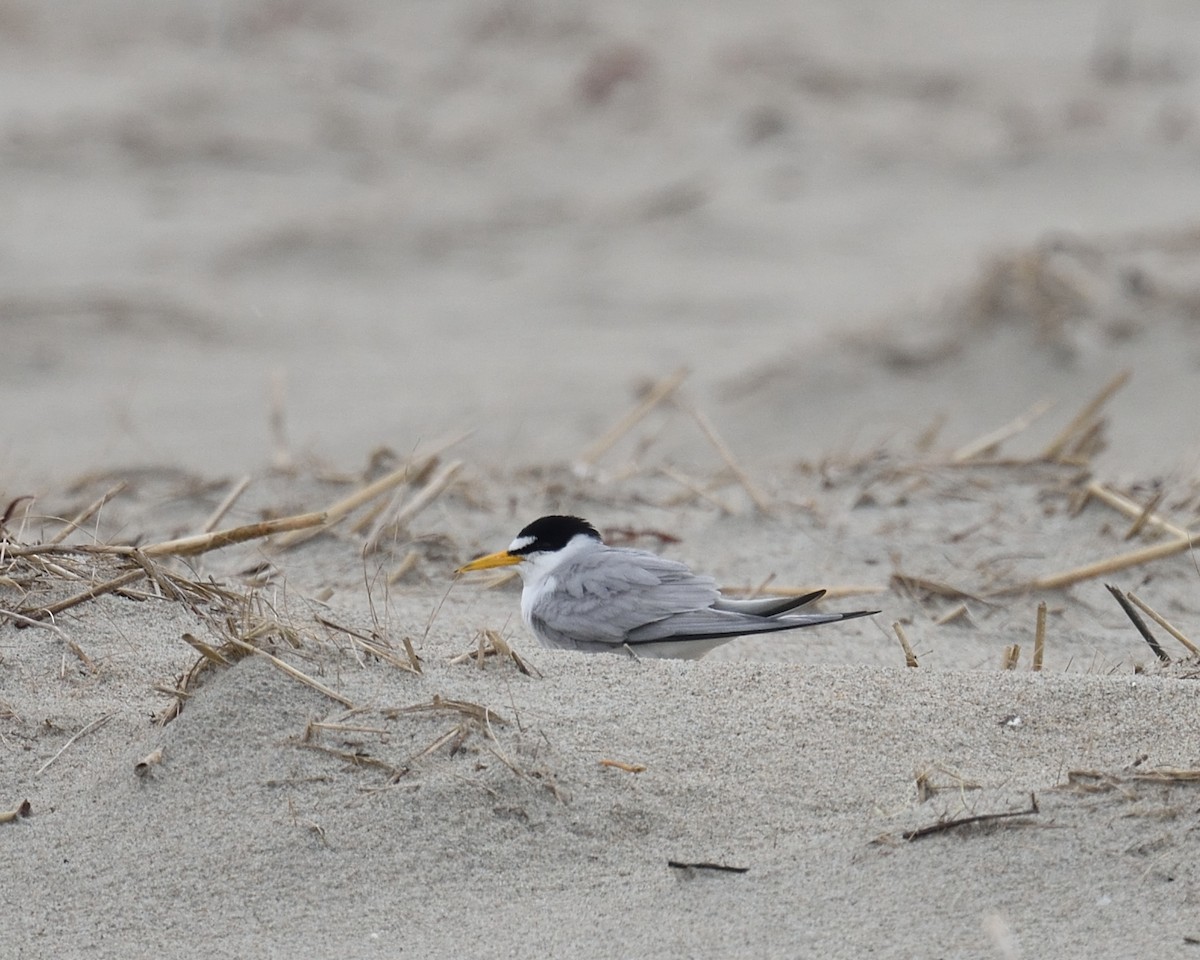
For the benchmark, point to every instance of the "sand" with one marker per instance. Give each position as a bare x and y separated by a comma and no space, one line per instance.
309,245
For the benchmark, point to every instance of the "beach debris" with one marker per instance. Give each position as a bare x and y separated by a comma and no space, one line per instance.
704,865
23,809
659,392
910,658
1039,637
622,765
151,760
1100,781
491,644
79,735
1011,817
1138,623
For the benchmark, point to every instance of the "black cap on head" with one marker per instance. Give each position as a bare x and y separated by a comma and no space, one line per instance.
553,533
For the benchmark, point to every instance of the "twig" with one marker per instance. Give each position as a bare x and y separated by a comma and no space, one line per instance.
990,441
698,490
356,759
224,506
910,658
760,501
622,765
942,826
1083,419
95,724
1138,623
1113,564
34,622
421,499
1133,510
719,867
954,613
654,396
85,514
1039,637
1012,653
293,672
90,594
204,542
1147,512
440,704
1162,622
346,505
209,653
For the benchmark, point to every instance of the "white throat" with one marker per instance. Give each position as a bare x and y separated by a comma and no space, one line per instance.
537,571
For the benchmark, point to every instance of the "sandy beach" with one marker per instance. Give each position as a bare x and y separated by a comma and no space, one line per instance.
306,304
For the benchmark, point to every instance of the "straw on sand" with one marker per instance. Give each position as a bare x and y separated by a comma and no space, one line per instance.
990,441
706,427
225,505
1039,638
910,658
1083,421
292,672
391,526
654,396
1142,516
86,514
204,542
1162,622
344,506
1100,568
79,735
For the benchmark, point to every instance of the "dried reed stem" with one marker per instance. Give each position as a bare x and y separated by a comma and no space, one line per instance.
1082,420
90,594
760,501
1162,622
696,489
1121,561
1012,653
1138,623
85,514
1039,637
988,443
421,499
293,672
224,506
80,734
346,505
1135,511
204,542
910,658
654,396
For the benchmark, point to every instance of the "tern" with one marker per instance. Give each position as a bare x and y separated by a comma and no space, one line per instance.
581,594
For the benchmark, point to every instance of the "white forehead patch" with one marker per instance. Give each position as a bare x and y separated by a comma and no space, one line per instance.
520,544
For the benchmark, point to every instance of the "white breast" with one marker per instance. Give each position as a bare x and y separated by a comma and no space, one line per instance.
531,595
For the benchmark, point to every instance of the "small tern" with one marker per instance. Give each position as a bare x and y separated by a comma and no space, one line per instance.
581,594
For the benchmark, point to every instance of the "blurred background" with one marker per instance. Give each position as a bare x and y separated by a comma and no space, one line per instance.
384,223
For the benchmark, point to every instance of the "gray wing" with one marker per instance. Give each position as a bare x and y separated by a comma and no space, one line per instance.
606,597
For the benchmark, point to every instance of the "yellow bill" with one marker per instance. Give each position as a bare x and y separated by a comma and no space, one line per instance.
501,559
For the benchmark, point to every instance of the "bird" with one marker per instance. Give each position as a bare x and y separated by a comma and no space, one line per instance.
581,594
